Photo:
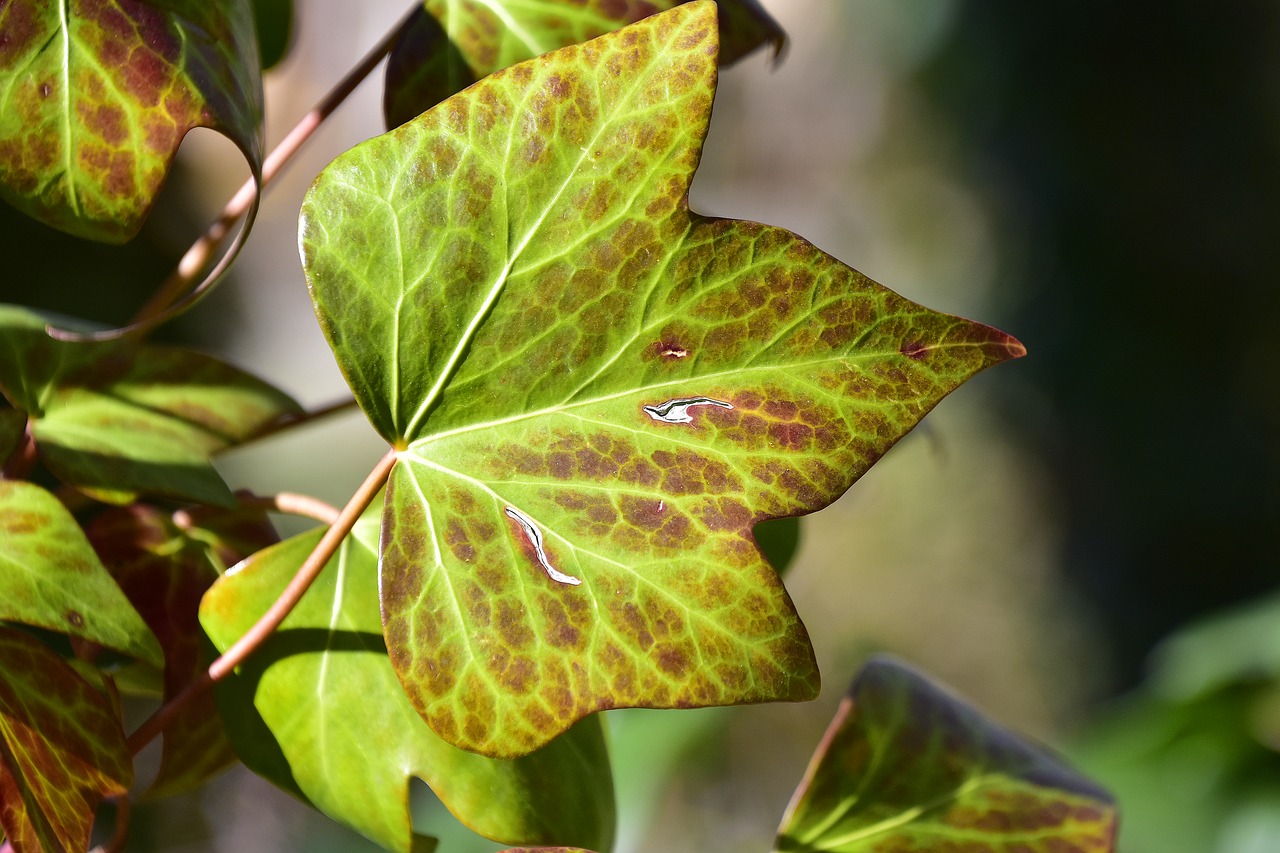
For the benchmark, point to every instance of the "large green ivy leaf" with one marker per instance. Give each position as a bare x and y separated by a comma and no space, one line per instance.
906,766
96,97
165,570
62,749
116,418
450,44
50,576
596,394
324,687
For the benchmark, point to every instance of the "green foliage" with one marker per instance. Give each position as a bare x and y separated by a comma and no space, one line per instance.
98,96
907,766
592,397
329,657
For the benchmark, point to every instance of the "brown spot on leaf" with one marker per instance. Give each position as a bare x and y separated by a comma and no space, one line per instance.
914,350
75,618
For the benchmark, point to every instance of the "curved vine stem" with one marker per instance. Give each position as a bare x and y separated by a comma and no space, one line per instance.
289,503
263,628
196,258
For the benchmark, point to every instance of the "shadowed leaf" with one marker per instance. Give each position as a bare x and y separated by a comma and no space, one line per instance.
596,393
62,749
273,22
50,576
451,45
164,570
12,425
116,418
906,766
324,687
95,98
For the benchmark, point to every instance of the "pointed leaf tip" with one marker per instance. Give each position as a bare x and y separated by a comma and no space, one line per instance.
907,766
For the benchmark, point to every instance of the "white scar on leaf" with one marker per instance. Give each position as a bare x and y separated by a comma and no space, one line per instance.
535,538
677,411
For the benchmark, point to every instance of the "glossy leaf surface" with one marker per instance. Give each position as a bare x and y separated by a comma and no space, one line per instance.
906,766
452,44
597,393
164,570
50,576
62,749
324,687
116,418
96,97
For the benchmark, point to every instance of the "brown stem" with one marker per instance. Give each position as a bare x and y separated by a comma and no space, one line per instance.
289,503
19,465
120,833
262,629
290,421
172,289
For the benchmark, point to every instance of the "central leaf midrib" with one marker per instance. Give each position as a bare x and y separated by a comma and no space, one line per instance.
464,341
656,387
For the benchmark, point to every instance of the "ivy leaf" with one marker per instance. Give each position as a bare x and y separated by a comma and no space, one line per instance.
907,766
62,748
273,22
116,418
51,578
96,97
596,394
326,691
165,570
449,45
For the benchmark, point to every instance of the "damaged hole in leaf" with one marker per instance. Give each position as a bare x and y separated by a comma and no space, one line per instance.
535,538
677,411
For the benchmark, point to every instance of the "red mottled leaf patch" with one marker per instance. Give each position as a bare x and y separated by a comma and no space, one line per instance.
62,748
907,766
165,570
326,692
95,98
597,393
117,418
451,45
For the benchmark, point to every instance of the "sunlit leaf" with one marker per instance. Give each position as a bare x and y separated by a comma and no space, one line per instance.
456,44
324,687
596,394
117,418
96,97
907,766
164,570
51,578
62,749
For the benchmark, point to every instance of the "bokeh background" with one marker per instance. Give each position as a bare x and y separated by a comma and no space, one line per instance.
1102,180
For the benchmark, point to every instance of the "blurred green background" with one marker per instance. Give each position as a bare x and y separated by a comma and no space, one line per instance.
1081,541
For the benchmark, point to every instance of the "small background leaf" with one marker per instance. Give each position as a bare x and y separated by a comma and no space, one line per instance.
906,766
164,570
516,290
62,749
96,97
451,45
325,690
118,418
51,578
273,22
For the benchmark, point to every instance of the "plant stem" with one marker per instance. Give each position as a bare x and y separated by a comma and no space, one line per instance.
197,257
19,465
263,628
291,421
289,503
120,833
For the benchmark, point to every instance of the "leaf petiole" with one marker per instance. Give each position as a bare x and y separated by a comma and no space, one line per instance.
263,628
